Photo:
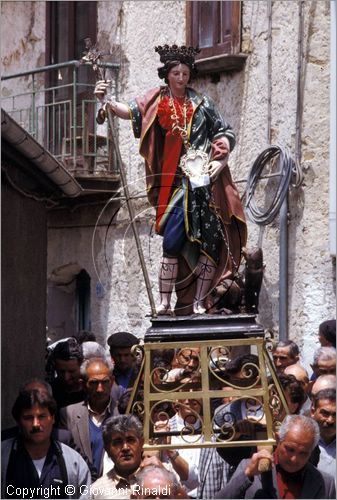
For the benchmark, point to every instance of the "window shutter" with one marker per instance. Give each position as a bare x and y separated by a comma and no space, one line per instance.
215,27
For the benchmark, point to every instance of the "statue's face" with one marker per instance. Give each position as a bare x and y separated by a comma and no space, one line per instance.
178,78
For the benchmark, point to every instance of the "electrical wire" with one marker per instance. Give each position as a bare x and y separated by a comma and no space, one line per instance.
106,238
49,202
94,234
286,168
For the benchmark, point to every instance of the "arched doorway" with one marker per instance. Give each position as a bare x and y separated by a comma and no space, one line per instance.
68,301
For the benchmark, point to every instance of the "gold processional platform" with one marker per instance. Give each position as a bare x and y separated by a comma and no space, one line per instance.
216,373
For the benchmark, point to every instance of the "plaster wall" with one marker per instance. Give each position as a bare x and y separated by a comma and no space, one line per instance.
23,39
242,97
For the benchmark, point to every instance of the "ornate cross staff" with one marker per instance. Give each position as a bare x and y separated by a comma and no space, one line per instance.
94,56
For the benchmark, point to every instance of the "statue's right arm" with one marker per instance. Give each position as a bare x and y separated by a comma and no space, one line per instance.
118,108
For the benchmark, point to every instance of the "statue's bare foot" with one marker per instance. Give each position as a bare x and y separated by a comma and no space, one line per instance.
199,308
164,310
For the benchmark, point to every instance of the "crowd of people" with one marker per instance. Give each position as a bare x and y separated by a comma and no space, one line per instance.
74,439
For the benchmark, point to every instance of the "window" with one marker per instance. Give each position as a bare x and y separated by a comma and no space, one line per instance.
216,28
68,24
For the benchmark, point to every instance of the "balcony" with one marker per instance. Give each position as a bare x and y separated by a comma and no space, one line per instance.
54,105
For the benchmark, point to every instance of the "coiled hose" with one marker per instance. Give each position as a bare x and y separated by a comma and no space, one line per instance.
287,169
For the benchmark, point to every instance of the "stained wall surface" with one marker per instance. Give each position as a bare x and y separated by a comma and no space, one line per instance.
108,252
23,298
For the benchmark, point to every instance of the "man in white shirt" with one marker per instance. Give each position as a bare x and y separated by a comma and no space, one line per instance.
34,461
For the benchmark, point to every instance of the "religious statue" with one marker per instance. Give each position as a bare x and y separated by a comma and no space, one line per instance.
186,144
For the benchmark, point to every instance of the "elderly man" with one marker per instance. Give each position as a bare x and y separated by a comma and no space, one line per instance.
324,362
85,419
126,367
123,442
324,412
35,462
292,475
156,482
285,353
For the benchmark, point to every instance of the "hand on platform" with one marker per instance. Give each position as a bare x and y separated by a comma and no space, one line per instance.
252,468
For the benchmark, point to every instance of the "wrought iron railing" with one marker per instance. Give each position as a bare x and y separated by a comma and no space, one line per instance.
54,105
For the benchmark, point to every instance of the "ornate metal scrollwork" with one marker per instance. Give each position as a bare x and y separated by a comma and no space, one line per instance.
138,409
246,416
192,430
138,352
160,379
276,407
237,407
217,367
219,357
254,410
269,341
223,425
275,403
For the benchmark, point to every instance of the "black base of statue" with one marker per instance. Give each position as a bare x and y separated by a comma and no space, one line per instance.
203,327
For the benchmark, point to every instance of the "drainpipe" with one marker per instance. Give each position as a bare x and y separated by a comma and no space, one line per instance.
332,167
283,271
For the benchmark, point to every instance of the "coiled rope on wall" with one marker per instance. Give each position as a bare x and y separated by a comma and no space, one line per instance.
286,168
289,170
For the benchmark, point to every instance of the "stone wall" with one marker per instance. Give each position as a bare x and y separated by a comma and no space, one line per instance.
242,97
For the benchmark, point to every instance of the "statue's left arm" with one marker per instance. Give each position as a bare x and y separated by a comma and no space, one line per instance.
220,135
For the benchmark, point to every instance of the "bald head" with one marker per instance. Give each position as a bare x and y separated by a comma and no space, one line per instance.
300,373
324,382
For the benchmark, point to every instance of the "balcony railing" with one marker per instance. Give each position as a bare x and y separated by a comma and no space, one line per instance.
59,110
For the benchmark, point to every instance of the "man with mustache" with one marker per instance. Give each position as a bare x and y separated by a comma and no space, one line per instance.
324,412
35,461
123,442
